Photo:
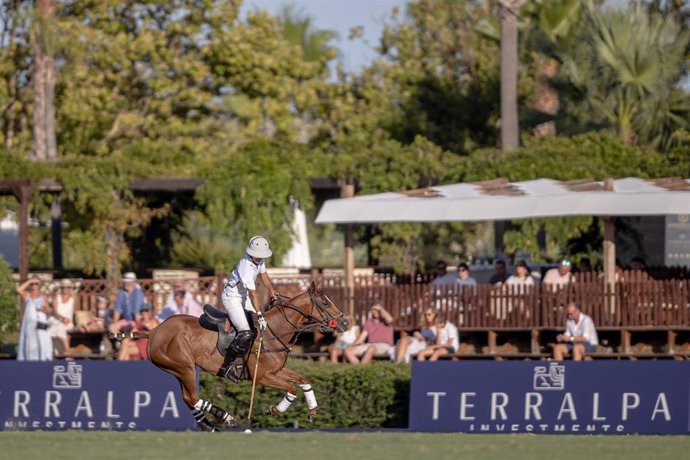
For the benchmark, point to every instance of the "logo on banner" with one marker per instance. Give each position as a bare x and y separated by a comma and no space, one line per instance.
549,378
66,377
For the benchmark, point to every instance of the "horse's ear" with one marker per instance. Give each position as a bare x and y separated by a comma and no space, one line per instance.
316,285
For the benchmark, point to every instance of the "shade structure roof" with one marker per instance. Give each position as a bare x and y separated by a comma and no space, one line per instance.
503,200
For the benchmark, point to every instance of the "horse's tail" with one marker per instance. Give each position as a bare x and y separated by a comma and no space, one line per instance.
129,335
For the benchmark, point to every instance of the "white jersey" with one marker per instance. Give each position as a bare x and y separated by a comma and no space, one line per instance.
243,276
449,332
583,328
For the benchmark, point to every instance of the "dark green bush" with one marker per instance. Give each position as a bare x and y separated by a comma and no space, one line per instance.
376,395
8,301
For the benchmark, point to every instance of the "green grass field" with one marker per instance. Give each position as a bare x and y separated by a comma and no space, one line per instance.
79,445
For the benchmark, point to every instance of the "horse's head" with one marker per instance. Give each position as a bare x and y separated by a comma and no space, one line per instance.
330,316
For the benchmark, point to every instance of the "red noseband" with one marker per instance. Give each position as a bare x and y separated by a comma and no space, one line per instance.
332,323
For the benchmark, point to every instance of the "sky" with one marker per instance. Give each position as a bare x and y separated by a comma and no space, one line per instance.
340,16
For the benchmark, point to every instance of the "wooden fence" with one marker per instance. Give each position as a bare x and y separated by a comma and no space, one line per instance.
637,301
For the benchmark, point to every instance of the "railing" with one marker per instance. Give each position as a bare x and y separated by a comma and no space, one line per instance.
636,301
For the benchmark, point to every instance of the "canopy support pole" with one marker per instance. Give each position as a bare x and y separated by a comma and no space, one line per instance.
609,250
348,191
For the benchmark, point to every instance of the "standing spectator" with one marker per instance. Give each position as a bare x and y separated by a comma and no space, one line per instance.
447,341
130,299
443,278
579,338
521,278
464,278
560,276
500,274
419,340
180,302
343,340
375,339
62,321
35,343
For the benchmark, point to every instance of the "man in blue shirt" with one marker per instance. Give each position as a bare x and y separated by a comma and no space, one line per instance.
130,300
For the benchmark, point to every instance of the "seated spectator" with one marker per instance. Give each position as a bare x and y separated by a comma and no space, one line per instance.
135,349
585,265
500,274
180,302
35,343
375,339
579,338
521,280
419,340
638,270
560,276
130,299
443,278
343,340
464,278
447,341
62,321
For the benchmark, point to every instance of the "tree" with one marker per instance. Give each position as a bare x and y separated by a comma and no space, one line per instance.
509,14
626,75
45,147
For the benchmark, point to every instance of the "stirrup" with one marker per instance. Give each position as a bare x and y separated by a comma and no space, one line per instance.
234,371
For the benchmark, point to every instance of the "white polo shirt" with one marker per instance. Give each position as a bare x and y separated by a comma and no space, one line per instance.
584,328
243,276
449,332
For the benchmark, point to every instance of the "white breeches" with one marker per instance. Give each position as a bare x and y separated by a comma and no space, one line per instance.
235,304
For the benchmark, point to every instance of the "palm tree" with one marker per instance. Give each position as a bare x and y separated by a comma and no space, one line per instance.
299,30
509,13
628,71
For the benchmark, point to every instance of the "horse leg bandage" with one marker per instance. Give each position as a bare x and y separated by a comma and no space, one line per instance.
203,405
309,395
286,402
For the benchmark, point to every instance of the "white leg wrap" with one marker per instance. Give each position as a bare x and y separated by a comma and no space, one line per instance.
286,402
202,405
309,395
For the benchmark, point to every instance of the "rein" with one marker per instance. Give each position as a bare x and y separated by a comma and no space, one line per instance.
312,324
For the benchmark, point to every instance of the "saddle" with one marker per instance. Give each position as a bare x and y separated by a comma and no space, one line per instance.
214,320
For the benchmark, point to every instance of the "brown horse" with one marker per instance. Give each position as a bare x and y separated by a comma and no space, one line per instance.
180,343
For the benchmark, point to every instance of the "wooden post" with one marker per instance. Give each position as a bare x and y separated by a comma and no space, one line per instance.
56,232
348,191
610,256
22,191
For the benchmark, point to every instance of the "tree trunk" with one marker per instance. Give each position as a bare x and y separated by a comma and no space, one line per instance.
45,148
509,14
546,100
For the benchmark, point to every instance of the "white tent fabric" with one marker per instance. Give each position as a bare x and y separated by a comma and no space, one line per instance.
502,200
298,256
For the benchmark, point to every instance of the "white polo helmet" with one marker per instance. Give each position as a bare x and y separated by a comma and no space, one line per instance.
258,247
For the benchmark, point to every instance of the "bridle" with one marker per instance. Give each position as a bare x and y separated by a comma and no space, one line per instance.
326,323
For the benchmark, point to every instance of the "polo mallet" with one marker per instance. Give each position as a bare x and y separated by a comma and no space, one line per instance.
256,367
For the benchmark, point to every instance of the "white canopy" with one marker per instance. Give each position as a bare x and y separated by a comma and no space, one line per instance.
503,200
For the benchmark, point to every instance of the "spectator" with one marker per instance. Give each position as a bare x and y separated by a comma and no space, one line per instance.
579,338
135,349
442,276
62,321
35,343
101,321
419,340
521,278
343,340
130,299
560,276
500,273
447,341
180,302
375,339
638,270
464,278
585,265
637,263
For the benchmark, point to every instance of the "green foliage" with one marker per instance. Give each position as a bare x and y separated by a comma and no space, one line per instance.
8,301
376,395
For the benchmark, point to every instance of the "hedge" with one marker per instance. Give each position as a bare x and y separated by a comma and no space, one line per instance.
371,396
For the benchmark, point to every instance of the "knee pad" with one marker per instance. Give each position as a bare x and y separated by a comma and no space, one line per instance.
243,341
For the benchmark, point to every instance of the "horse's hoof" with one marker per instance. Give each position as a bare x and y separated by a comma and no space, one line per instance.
312,419
230,421
270,410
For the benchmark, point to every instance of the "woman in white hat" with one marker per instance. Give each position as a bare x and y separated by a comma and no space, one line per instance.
239,294
62,321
